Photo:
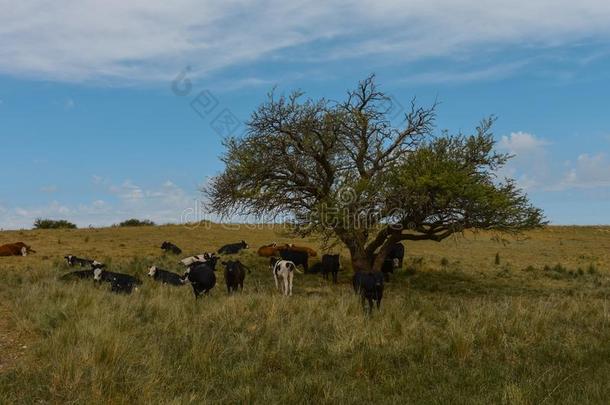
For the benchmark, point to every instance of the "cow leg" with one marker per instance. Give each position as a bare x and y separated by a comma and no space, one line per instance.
286,277
275,278
335,277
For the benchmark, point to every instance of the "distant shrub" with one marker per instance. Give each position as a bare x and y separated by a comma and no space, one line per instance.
41,223
497,259
137,222
444,262
592,269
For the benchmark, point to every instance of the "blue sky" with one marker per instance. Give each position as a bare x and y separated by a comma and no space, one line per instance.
92,131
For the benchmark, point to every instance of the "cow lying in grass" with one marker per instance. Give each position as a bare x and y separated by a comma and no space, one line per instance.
202,258
284,269
73,261
16,249
169,247
119,282
233,248
370,287
164,276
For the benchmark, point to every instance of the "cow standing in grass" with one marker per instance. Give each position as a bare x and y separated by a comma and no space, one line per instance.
284,269
370,287
235,273
330,264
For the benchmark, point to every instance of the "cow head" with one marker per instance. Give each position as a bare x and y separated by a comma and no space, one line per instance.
24,251
395,263
244,244
152,271
68,259
97,274
165,245
272,262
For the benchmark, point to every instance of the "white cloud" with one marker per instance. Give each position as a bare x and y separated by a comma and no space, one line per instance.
589,171
154,39
166,203
531,165
523,144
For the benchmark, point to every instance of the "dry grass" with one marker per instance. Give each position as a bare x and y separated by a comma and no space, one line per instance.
454,327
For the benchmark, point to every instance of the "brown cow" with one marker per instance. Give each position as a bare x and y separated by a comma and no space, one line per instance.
15,249
274,249
268,250
295,248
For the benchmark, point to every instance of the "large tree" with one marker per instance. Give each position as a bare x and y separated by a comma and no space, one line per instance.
344,171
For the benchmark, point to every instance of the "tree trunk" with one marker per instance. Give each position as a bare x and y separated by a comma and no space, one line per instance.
360,261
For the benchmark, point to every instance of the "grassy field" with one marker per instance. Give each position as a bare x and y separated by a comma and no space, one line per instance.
469,320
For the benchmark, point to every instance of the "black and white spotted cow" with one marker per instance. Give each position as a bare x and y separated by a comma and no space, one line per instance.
119,282
164,276
284,269
77,261
202,258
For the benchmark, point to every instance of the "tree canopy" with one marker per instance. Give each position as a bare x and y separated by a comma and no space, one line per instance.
343,170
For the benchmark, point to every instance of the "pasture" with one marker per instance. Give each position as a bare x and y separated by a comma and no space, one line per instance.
469,320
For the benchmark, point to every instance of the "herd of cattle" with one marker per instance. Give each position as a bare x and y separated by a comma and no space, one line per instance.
284,261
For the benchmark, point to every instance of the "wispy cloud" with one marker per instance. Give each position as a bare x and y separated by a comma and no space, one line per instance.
152,40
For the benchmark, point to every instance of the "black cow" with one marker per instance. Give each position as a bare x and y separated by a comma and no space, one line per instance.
370,287
164,276
119,282
393,260
235,273
233,248
202,277
296,257
75,275
169,247
330,264
73,261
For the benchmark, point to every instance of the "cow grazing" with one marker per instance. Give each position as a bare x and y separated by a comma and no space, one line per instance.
169,247
298,258
235,273
74,261
284,269
202,278
269,250
16,249
77,275
119,282
233,248
330,264
370,287
164,276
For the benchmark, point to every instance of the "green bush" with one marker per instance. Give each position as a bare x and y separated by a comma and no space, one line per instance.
137,222
53,224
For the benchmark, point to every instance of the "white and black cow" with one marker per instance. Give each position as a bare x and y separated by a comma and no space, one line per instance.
119,282
299,258
202,258
233,248
74,261
284,269
201,276
164,276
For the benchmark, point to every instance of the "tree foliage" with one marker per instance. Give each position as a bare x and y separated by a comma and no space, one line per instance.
343,170
41,223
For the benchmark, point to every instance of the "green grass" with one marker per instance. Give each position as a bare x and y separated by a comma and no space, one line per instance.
453,328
